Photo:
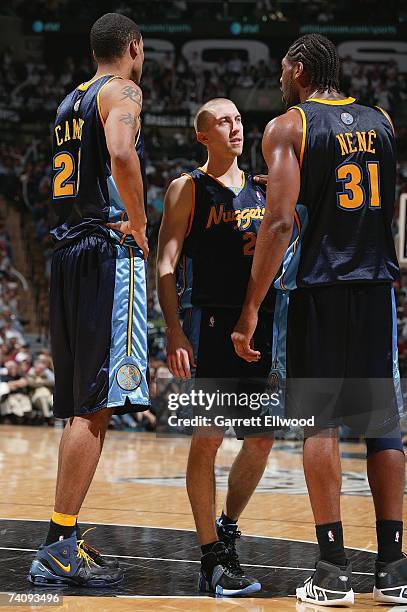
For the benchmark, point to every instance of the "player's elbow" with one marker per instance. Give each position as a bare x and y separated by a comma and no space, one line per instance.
278,224
122,156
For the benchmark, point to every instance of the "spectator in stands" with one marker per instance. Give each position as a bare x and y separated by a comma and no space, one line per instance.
16,404
41,382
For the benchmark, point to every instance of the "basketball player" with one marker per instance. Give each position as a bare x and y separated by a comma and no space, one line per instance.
98,292
211,218
337,159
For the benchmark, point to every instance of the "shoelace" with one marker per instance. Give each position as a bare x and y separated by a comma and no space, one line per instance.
83,554
233,563
81,544
88,546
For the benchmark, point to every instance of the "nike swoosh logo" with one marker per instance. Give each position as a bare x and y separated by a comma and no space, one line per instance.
66,568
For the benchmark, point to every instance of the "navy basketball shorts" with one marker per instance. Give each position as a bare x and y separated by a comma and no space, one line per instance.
98,321
219,369
342,361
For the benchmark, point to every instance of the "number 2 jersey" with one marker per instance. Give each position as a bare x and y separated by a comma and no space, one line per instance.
214,268
85,196
348,175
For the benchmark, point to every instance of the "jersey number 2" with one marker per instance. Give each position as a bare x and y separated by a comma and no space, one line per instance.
250,239
63,185
353,195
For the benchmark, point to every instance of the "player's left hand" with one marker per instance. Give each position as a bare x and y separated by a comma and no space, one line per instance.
243,334
139,236
261,179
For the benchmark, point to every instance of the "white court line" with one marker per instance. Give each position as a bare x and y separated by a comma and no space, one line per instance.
250,535
282,567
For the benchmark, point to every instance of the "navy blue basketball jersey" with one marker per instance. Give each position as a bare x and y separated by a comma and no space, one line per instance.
218,249
85,196
348,174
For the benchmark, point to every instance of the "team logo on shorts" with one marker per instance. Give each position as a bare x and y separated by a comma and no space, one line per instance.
128,377
346,118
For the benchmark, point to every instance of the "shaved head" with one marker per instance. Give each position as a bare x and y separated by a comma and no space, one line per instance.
208,111
218,127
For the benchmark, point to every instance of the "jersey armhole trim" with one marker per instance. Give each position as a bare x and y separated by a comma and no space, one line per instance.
304,132
387,117
192,213
98,98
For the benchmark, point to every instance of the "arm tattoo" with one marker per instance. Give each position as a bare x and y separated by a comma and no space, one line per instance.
132,94
129,120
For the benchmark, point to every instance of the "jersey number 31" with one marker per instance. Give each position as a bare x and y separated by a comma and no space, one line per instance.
353,177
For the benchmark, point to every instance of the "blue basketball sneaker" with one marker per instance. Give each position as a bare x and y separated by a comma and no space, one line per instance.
67,563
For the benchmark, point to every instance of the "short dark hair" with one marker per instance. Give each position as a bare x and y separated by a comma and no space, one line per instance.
320,59
111,34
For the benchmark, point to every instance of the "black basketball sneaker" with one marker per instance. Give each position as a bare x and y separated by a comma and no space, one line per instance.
391,582
217,577
229,534
330,585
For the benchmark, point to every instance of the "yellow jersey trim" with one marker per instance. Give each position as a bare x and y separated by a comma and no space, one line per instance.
192,213
220,182
385,113
131,299
98,97
304,132
332,102
138,133
84,86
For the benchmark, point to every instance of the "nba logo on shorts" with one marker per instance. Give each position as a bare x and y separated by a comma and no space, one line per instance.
212,321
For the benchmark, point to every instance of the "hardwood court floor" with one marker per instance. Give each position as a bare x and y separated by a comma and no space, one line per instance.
140,482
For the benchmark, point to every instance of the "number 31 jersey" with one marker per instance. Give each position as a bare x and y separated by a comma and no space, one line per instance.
348,176
85,196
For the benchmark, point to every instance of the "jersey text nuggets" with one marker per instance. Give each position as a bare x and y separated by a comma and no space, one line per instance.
241,217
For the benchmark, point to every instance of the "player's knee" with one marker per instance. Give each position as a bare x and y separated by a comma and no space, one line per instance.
259,446
98,420
208,445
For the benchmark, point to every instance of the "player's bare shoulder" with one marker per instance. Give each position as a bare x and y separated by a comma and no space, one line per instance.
180,193
123,90
285,126
124,95
284,130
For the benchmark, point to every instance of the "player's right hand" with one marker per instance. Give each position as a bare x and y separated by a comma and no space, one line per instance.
139,235
141,239
180,354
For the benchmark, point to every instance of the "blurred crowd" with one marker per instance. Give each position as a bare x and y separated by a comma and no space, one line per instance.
322,11
26,380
